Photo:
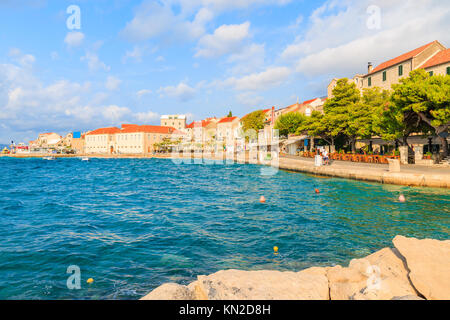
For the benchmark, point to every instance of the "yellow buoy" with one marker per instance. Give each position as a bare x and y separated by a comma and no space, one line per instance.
275,250
90,280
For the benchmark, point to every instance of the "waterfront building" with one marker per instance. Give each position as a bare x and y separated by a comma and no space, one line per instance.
176,121
228,130
135,139
202,131
285,110
48,140
21,148
67,140
307,107
101,140
439,63
433,57
130,139
78,142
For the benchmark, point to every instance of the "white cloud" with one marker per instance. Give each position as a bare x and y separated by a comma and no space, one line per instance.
94,63
271,77
182,92
225,39
135,54
25,60
29,106
143,92
249,99
74,39
338,41
145,117
250,59
112,83
154,19
115,114
157,18
160,59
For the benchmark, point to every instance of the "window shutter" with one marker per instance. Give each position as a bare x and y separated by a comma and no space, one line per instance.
384,75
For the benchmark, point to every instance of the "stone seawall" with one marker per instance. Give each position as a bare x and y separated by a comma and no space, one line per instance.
372,174
412,270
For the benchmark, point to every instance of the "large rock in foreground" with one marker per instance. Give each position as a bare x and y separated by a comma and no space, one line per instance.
263,285
413,270
380,276
170,291
429,264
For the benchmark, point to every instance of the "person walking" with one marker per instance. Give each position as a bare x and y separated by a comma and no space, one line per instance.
326,160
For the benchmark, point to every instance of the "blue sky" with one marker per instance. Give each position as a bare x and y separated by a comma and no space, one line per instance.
132,61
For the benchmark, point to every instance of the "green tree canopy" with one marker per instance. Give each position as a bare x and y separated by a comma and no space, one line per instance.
428,97
289,123
343,111
230,114
317,126
252,123
388,120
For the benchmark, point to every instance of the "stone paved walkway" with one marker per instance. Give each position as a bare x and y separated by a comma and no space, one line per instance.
411,168
410,175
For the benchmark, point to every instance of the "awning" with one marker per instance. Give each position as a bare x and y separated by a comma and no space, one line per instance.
295,139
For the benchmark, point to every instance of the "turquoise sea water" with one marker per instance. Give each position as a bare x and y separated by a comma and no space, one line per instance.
133,224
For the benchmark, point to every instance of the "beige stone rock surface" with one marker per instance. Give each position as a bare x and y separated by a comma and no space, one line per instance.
408,298
379,276
413,270
170,291
429,263
262,285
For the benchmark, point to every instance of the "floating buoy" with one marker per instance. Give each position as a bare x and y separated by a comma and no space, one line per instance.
402,198
317,190
90,280
262,199
275,250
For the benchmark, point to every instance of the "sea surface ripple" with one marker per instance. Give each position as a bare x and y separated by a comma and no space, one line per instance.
133,224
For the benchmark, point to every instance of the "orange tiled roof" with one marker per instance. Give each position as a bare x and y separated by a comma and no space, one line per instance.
303,104
146,128
403,57
110,130
129,125
46,134
227,119
439,58
175,131
202,124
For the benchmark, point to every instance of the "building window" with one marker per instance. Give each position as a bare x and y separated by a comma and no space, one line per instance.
369,81
384,75
400,70
431,73
448,70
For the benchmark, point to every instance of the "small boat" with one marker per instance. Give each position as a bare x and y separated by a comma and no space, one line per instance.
50,158
85,159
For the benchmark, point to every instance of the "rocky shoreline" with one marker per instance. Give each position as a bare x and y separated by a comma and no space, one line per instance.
412,270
